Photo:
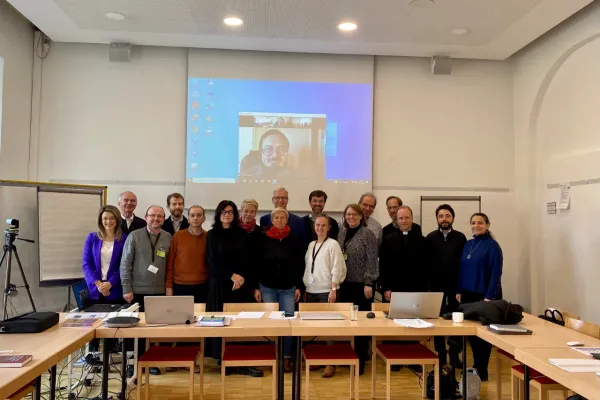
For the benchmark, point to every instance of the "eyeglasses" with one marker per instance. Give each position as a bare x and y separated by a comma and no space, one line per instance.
227,212
279,198
269,151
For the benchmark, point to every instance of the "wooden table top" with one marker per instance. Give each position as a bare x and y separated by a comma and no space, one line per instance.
238,328
545,334
47,349
586,384
378,326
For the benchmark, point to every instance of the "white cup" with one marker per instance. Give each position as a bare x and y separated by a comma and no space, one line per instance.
458,317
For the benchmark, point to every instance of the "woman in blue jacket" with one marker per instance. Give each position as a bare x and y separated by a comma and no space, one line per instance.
102,257
480,279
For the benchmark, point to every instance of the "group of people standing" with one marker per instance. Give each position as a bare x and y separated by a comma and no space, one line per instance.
287,259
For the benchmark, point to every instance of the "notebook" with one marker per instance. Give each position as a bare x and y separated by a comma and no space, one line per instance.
16,361
509,329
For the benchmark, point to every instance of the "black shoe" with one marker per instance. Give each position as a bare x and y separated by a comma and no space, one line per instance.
129,371
396,368
154,371
361,367
417,369
250,371
483,375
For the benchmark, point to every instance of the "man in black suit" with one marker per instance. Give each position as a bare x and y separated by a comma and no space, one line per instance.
177,221
317,200
127,202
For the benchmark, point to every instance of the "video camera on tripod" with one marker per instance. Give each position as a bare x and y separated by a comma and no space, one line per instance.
10,234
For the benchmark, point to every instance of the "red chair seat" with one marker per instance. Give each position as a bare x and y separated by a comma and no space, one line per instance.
406,351
160,353
261,352
535,375
505,354
339,351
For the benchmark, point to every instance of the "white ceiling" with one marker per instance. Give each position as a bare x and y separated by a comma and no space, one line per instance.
498,28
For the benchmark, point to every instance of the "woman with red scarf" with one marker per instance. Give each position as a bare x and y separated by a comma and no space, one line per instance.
279,269
248,211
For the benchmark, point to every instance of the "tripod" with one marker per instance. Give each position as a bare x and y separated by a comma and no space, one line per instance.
10,248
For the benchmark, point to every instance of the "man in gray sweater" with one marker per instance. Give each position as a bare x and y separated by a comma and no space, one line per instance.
144,263
144,259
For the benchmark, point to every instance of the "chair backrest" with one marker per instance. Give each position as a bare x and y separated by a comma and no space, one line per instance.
587,328
385,307
252,307
325,307
199,308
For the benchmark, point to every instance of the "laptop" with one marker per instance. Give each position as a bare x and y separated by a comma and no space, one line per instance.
84,300
169,310
321,316
426,305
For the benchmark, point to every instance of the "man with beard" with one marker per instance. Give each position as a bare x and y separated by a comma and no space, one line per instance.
270,161
177,221
445,247
367,204
127,202
317,200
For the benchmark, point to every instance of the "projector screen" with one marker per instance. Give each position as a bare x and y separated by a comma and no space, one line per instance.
247,136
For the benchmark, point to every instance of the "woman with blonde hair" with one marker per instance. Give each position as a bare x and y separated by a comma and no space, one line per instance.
101,259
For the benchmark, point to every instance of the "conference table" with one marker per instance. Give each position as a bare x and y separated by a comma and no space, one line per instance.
47,348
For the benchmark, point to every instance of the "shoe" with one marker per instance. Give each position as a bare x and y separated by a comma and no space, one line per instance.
171,369
250,371
329,371
396,368
154,371
287,365
418,369
483,374
361,367
129,371
315,367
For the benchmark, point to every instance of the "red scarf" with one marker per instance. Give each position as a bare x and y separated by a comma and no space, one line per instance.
276,233
248,227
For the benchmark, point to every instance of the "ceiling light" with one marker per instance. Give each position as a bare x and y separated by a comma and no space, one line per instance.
115,16
460,31
422,3
347,26
233,21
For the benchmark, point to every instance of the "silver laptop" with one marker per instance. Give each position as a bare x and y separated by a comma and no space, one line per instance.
169,310
321,316
415,305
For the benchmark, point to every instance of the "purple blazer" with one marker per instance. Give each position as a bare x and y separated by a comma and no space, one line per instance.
92,267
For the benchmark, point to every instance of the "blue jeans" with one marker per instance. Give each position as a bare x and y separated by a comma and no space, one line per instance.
285,299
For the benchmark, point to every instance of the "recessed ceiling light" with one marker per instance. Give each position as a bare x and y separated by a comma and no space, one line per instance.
422,3
233,21
115,16
347,26
460,31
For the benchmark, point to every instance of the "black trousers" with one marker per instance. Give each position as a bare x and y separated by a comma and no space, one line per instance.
449,304
354,292
110,343
199,291
481,349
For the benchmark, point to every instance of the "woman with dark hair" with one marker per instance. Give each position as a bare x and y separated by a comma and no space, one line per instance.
359,247
228,257
480,279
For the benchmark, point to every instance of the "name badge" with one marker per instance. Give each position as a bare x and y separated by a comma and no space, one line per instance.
152,269
160,253
345,257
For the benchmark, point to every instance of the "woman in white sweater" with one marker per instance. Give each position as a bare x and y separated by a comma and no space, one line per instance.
325,270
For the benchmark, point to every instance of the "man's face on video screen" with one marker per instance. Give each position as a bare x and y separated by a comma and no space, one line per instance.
274,151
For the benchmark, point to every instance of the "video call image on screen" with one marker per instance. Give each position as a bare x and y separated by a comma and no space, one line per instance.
246,135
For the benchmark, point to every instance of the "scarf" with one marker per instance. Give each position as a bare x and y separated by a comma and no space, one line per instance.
276,233
248,227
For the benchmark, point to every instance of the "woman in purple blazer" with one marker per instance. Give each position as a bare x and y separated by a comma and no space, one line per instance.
102,257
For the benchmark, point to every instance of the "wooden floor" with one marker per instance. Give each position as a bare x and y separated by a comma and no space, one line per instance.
405,385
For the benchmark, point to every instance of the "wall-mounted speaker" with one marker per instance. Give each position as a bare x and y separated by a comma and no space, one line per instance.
441,65
119,52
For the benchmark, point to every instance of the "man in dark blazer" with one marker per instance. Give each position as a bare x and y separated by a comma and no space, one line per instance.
393,203
177,221
317,200
127,202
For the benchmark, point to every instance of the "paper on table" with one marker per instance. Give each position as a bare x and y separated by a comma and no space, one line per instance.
581,369
414,323
588,351
86,316
250,315
576,364
220,315
280,315
122,314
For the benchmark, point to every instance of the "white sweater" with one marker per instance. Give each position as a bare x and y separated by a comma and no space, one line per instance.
329,266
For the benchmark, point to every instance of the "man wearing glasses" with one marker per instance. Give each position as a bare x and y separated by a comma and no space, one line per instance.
271,160
280,199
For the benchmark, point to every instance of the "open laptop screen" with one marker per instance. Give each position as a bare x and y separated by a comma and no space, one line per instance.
82,294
